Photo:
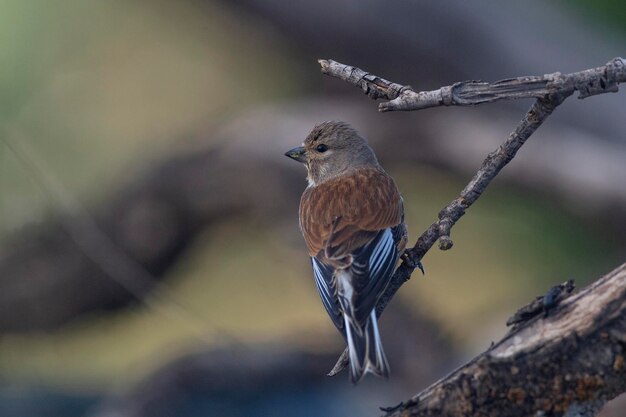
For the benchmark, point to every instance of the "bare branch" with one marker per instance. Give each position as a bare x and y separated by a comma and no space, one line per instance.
589,82
372,85
572,361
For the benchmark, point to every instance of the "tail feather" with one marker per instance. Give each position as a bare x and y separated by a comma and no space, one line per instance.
365,349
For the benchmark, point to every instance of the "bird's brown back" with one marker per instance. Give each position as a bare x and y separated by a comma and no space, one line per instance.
351,207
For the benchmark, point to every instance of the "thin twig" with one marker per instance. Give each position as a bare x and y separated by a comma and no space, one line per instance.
556,89
589,82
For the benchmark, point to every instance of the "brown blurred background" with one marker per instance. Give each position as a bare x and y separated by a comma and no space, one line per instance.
180,286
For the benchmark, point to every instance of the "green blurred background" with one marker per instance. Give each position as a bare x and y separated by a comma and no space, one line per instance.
100,92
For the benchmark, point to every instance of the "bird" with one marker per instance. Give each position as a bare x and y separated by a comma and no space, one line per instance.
352,218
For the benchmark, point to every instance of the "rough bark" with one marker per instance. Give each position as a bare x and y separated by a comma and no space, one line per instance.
568,363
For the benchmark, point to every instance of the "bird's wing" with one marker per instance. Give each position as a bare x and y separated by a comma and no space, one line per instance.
326,285
371,268
342,215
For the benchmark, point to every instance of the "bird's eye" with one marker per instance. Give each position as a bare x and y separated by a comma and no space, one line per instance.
321,148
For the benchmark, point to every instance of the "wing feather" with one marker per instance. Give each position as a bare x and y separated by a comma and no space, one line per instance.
368,276
327,288
380,257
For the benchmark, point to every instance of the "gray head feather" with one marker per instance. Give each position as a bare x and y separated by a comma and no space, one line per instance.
334,148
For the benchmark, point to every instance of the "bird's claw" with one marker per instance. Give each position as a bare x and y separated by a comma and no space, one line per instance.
408,260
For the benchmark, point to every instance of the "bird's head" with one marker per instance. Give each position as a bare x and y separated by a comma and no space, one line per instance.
331,149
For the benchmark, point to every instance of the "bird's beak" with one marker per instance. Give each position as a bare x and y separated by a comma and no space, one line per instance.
297,154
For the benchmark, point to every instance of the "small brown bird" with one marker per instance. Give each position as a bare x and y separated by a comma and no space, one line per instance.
352,219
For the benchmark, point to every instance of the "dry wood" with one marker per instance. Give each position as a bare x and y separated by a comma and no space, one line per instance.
571,361
589,82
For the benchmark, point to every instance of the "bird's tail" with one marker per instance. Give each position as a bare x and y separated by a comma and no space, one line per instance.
365,349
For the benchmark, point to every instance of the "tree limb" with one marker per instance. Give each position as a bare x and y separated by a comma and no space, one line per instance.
589,82
572,361
556,89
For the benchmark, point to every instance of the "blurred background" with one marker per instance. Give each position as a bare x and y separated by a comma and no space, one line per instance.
150,258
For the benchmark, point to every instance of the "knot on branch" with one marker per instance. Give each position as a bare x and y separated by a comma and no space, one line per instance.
558,89
543,303
367,83
448,94
445,242
617,68
603,84
447,217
